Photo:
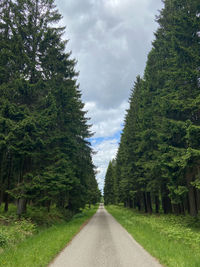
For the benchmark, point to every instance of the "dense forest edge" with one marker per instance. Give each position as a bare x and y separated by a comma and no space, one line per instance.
47,177
45,155
157,167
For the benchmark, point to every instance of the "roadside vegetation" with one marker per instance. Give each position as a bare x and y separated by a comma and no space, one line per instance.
157,163
35,240
45,153
173,240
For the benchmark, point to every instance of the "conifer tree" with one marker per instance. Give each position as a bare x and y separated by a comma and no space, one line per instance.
110,186
44,153
158,154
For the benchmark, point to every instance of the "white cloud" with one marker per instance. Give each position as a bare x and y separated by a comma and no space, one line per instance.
110,39
106,151
106,122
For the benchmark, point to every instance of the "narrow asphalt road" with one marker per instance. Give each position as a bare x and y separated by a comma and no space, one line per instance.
103,242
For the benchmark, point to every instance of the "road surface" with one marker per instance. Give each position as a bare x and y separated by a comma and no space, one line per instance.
103,242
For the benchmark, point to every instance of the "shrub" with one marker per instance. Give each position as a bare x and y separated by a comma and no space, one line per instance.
16,232
3,238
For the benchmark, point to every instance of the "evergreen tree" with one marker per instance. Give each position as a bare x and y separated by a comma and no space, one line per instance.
109,186
158,154
44,153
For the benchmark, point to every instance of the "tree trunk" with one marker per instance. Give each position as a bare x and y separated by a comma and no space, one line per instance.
157,202
192,202
175,209
149,204
135,203
6,202
1,180
6,196
182,208
130,203
21,206
187,204
198,199
1,196
139,205
48,205
145,202
193,209
166,202
167,206
191,193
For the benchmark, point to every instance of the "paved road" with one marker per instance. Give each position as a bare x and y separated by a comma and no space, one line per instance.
103,242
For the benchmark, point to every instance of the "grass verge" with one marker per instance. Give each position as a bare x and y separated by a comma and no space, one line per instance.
39,249
173,240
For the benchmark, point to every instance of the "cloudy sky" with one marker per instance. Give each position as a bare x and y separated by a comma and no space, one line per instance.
110,40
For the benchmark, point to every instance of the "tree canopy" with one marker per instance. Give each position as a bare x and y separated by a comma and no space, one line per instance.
45,156
159,153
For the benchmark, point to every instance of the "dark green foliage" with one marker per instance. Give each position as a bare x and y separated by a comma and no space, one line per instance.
44,155
159,153
110,185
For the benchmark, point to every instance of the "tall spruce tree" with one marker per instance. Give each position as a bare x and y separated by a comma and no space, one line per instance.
44,153
179,51
110,186
159,148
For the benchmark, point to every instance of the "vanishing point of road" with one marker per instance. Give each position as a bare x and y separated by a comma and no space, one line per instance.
103,242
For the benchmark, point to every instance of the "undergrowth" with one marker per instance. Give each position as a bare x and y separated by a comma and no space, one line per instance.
14,230
174,240
34,239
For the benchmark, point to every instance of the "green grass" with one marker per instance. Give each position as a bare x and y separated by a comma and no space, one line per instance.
173,240
41,248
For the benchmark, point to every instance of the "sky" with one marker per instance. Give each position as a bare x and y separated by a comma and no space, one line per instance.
110,39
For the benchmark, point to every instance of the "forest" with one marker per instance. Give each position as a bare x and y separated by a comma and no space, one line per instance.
45,155
157,167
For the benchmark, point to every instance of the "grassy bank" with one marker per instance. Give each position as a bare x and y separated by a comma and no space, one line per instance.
43,245
174,240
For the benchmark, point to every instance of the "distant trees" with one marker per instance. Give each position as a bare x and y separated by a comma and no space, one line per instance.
159,153
45,157
110,185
